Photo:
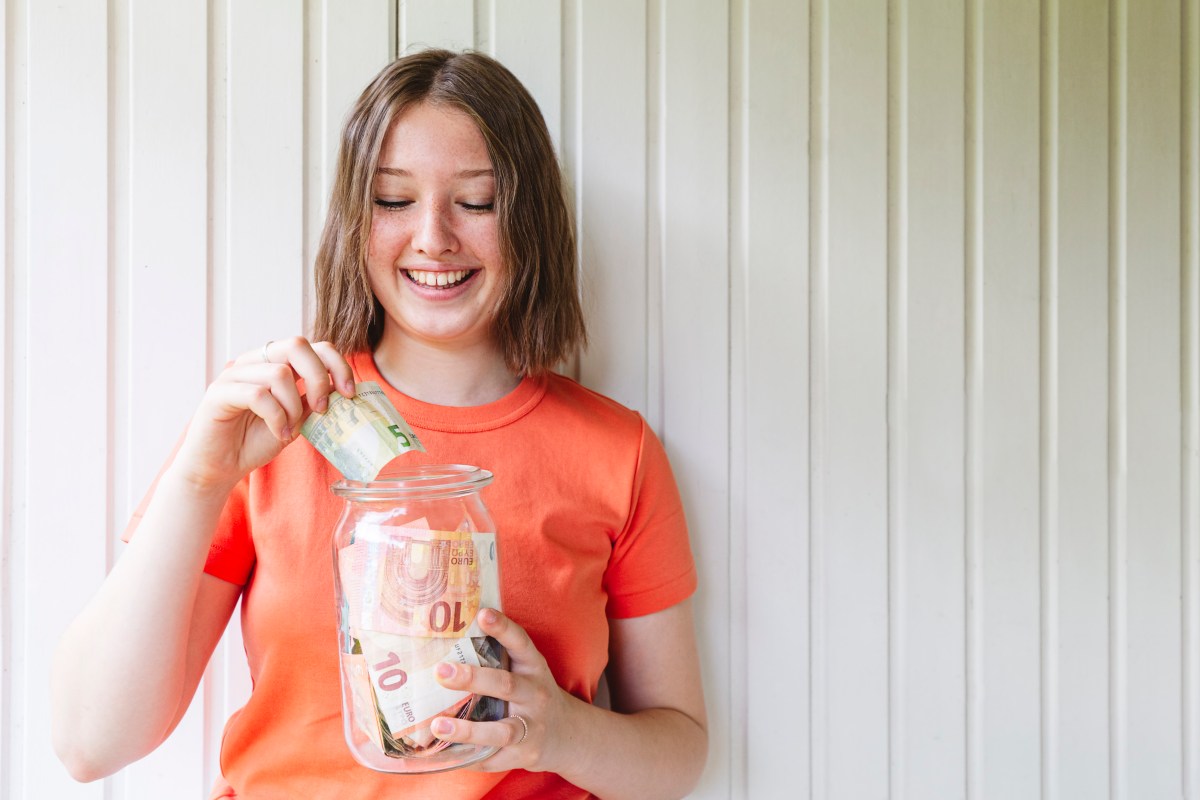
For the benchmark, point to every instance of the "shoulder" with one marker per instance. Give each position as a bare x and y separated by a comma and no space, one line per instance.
590,410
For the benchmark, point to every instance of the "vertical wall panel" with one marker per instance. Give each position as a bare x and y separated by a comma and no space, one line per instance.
6,584
610,191
348,43
436,23
163,231
1007,488
926,314
265,174
65,331
1152,645
7,592
1075,352
226,682
527,38
258,238
769,329
692,214
849,503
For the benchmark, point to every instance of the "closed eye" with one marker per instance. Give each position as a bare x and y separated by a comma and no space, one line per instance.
480,207
392,203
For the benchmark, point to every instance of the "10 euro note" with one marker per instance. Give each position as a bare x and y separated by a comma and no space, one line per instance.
418,582
410,596
361,434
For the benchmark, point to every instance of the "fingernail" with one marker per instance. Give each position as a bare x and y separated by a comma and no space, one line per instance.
442,726
287,434
348,388
445,670
489,616
321,405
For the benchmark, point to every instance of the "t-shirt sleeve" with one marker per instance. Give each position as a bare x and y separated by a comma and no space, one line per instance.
651,567
231,554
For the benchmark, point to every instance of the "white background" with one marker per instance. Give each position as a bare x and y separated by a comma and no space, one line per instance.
910,290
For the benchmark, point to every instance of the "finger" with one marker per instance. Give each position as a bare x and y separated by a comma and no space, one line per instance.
337,366
258,398
514,638
502,733
280,379
497,683
298,353
260,355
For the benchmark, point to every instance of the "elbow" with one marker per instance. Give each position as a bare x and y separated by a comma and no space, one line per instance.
92,752
694,745
83,766
85,747
699,759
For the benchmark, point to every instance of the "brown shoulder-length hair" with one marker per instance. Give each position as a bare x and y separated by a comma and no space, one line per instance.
538,321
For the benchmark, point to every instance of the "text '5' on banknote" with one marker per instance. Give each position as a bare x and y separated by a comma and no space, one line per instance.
361,434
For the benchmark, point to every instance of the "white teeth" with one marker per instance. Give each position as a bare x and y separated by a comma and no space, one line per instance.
428,278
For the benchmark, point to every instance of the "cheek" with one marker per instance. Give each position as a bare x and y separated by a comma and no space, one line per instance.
487,244
385,240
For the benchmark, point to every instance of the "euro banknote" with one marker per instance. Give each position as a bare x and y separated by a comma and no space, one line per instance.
394,693
418,582
361,434
410,597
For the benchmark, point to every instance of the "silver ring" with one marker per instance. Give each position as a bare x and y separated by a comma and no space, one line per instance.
524,728
265,359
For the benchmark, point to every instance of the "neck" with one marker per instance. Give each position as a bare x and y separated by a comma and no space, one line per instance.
460,377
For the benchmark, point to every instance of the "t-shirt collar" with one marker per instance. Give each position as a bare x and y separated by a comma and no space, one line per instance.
454,419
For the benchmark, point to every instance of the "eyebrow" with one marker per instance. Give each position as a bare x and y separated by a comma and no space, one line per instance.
465,173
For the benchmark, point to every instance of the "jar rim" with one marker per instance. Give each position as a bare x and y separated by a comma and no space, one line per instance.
426,480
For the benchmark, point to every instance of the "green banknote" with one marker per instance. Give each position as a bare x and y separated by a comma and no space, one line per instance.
361,434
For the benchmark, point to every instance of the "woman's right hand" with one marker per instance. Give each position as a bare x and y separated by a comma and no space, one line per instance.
255,408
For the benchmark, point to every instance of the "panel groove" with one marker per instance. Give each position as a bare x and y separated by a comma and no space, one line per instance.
214,689
739,312
818,369
974,395
16,320
1049,399
1118,406
656,207
897,386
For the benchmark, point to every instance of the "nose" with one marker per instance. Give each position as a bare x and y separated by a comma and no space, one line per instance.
434,234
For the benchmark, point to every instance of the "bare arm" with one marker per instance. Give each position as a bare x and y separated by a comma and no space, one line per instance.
654,742
127,668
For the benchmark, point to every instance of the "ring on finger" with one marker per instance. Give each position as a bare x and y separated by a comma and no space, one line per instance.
524,728
267,359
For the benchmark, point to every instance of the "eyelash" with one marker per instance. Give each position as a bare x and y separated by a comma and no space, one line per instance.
394,205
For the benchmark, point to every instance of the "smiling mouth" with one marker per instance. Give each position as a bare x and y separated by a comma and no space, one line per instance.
439,279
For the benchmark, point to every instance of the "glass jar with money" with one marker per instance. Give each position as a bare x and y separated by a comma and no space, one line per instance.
416,559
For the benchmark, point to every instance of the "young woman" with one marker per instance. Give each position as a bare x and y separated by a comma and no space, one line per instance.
445,274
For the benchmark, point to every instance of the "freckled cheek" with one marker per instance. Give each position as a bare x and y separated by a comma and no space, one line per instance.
385,243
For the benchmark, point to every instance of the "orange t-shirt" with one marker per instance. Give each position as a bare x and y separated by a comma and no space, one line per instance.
589,527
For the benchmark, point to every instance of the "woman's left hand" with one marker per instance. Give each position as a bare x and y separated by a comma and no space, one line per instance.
532,694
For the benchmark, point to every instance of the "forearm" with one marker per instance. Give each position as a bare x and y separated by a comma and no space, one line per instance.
653,753
119,673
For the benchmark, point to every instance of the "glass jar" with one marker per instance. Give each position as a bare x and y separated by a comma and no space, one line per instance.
415,559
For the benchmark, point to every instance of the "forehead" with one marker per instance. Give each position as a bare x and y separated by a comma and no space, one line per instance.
427,136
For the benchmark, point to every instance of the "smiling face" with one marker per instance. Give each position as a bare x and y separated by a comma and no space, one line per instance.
434,259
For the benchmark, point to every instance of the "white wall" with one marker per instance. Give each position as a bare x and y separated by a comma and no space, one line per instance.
911,291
